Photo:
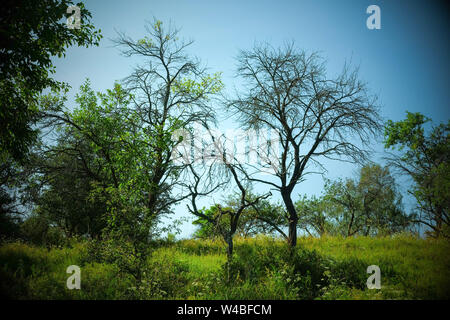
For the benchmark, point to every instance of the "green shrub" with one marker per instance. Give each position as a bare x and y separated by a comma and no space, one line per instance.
351,272
164,278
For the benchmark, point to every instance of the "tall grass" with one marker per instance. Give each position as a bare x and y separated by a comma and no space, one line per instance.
262,268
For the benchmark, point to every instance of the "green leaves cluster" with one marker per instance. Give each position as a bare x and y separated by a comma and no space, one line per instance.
209,84
32,32
369,205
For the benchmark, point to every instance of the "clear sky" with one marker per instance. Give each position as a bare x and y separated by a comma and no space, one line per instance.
406,62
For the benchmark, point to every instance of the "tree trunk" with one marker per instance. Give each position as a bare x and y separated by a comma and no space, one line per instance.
292,232
229,241
349,231
293,219
438,222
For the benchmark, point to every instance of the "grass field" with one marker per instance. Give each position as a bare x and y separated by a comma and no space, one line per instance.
320,268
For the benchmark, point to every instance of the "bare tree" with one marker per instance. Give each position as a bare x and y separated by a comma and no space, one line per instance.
219,173
288,91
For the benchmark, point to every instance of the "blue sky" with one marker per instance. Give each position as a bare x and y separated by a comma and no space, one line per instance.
406,62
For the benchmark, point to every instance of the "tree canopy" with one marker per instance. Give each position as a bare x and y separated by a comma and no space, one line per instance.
424,157
31,34
288,90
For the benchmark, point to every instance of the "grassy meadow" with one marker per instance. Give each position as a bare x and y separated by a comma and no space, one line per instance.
263,268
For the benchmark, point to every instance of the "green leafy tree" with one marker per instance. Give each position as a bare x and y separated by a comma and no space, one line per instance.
31,33
424,157
316,216
105,136
368,205
108,145
61,187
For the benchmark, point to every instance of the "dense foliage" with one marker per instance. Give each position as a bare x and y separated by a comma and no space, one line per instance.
32,32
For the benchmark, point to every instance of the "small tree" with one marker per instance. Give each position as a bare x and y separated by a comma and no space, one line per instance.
316,216
233,213
221,173
262,218
368,205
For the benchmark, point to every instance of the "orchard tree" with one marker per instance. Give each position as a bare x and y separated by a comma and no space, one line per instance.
368,205
110,149
425,158
316,117
316,216
215,175
263,220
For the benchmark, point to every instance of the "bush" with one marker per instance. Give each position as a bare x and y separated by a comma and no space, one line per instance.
300,274
164,278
